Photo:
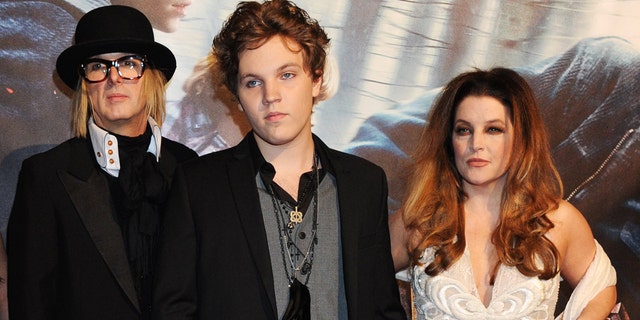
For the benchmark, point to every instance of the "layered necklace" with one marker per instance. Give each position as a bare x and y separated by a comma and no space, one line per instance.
297,260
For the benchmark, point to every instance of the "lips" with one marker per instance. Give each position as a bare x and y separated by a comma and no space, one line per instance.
477,162
116,97
274,116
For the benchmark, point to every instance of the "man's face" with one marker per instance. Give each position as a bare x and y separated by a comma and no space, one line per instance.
276,91
118,104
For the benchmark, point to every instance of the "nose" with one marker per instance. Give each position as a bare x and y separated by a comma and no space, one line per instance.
113,75
271,92
477,142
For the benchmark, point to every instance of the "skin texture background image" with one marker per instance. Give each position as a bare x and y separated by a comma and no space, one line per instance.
389,60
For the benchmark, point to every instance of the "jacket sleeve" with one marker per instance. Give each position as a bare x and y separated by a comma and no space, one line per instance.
387,296
32,250
175,294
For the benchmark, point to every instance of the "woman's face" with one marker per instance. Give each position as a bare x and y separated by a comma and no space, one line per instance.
482,141
164,15
117,104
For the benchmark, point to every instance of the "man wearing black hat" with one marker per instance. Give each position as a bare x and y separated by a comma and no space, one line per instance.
83,228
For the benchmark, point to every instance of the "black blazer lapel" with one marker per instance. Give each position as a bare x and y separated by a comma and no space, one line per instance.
250,214
167,164
89,192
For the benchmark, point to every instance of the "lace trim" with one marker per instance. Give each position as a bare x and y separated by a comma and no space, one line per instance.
452,294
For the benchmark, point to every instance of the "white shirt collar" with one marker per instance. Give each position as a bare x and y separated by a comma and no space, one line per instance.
105,146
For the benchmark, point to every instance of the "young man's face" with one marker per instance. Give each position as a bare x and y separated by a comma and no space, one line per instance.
276,92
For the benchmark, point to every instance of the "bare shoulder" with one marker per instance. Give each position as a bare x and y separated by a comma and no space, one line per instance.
567,218
573,238
569,225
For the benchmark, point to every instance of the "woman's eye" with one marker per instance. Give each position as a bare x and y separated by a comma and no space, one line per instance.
462,131
495,130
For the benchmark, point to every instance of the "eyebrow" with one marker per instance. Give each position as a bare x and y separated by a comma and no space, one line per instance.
493,121
280,69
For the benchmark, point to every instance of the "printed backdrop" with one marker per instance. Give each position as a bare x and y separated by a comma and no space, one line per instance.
389,59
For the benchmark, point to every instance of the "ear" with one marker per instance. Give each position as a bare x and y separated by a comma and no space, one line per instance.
317,84
240,107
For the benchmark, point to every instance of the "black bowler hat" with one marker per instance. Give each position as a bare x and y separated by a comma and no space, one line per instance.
113,29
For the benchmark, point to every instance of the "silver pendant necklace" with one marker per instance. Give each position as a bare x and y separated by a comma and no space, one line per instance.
290,258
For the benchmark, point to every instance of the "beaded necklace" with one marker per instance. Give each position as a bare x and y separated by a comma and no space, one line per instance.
289,250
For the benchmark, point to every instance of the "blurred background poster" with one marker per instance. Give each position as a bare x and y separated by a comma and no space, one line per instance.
389,59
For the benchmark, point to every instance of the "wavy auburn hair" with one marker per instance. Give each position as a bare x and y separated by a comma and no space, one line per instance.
433,209
253,23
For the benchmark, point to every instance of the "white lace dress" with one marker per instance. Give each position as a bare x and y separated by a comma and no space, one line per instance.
453,295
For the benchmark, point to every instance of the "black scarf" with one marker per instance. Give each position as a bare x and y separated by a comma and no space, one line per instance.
138,192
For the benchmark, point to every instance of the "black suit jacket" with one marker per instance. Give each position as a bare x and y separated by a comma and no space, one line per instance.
66,256
214,258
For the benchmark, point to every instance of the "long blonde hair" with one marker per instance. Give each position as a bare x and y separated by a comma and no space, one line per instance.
433,209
